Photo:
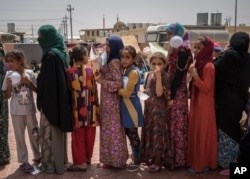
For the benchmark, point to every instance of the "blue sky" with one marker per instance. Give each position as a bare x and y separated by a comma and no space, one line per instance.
29,15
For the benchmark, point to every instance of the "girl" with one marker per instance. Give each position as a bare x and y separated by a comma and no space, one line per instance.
202,132
85,108
178,64
22,107
130,103
113,144
154,136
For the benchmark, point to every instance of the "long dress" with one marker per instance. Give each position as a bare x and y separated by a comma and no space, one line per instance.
154,134
178,114
202,131
113,145
4,146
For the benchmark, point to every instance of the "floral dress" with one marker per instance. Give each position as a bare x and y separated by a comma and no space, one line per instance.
154,135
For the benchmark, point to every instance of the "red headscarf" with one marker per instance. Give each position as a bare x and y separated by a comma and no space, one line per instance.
204,56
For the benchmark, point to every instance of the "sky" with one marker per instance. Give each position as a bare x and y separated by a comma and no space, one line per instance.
29,15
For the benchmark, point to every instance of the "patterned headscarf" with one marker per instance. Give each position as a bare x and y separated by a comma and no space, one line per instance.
115,44
50,39
178,29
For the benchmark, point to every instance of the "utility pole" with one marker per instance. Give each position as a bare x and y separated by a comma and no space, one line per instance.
70,9
65,27
235,20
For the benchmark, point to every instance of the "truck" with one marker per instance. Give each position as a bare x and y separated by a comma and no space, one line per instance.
156,35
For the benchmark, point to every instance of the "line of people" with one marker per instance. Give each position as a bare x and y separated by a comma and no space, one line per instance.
203,136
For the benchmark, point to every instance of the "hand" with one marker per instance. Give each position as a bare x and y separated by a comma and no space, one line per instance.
171,50
9,82
170,104
99,78
25,79
192,70
157,72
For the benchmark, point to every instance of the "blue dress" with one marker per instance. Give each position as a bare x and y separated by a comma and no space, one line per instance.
131,109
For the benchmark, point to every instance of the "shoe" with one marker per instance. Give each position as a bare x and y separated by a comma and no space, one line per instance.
102,165
26,168
132,168
225,172
205,169
76,168
190,170
154,168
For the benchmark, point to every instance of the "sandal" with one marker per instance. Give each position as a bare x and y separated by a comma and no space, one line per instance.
154,168
5,162
76,168
102,165
26,168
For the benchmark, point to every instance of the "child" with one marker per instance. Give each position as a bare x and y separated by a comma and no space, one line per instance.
22,107
85,108
202,131
154,137
131,110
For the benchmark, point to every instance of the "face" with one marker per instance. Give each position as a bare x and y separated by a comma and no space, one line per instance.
157,63
85,59
13,64
169,35
198,46
126,59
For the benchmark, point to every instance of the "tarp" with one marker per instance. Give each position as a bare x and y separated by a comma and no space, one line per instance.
156,47
131,40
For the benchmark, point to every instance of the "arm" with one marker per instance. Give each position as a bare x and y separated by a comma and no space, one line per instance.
132,80
114,84
205,84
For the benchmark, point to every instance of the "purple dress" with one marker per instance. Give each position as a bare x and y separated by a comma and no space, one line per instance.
113,146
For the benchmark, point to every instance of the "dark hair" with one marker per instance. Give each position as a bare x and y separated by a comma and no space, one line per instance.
159,55
130,49
17,55
203,40
76,54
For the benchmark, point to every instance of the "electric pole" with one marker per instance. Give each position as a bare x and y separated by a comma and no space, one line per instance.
70,9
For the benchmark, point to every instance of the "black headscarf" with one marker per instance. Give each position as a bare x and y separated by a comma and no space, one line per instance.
115,44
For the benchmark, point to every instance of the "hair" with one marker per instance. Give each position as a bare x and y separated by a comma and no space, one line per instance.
203,40
18,56
159,55
76,54
130,49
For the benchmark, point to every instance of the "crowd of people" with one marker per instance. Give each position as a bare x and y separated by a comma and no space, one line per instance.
205,134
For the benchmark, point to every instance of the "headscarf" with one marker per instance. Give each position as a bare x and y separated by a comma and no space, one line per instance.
50,39
115,44
204,56
178,29
240,42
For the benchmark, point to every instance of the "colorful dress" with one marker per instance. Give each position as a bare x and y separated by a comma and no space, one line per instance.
130,103
113,145
4,123
178,114
85,112
154,135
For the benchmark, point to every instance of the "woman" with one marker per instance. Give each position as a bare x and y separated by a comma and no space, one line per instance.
231,95
113,146
179,60
4,146
202,132
53,100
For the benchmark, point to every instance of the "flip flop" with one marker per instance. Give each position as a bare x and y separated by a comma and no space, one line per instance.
76,168
102,165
